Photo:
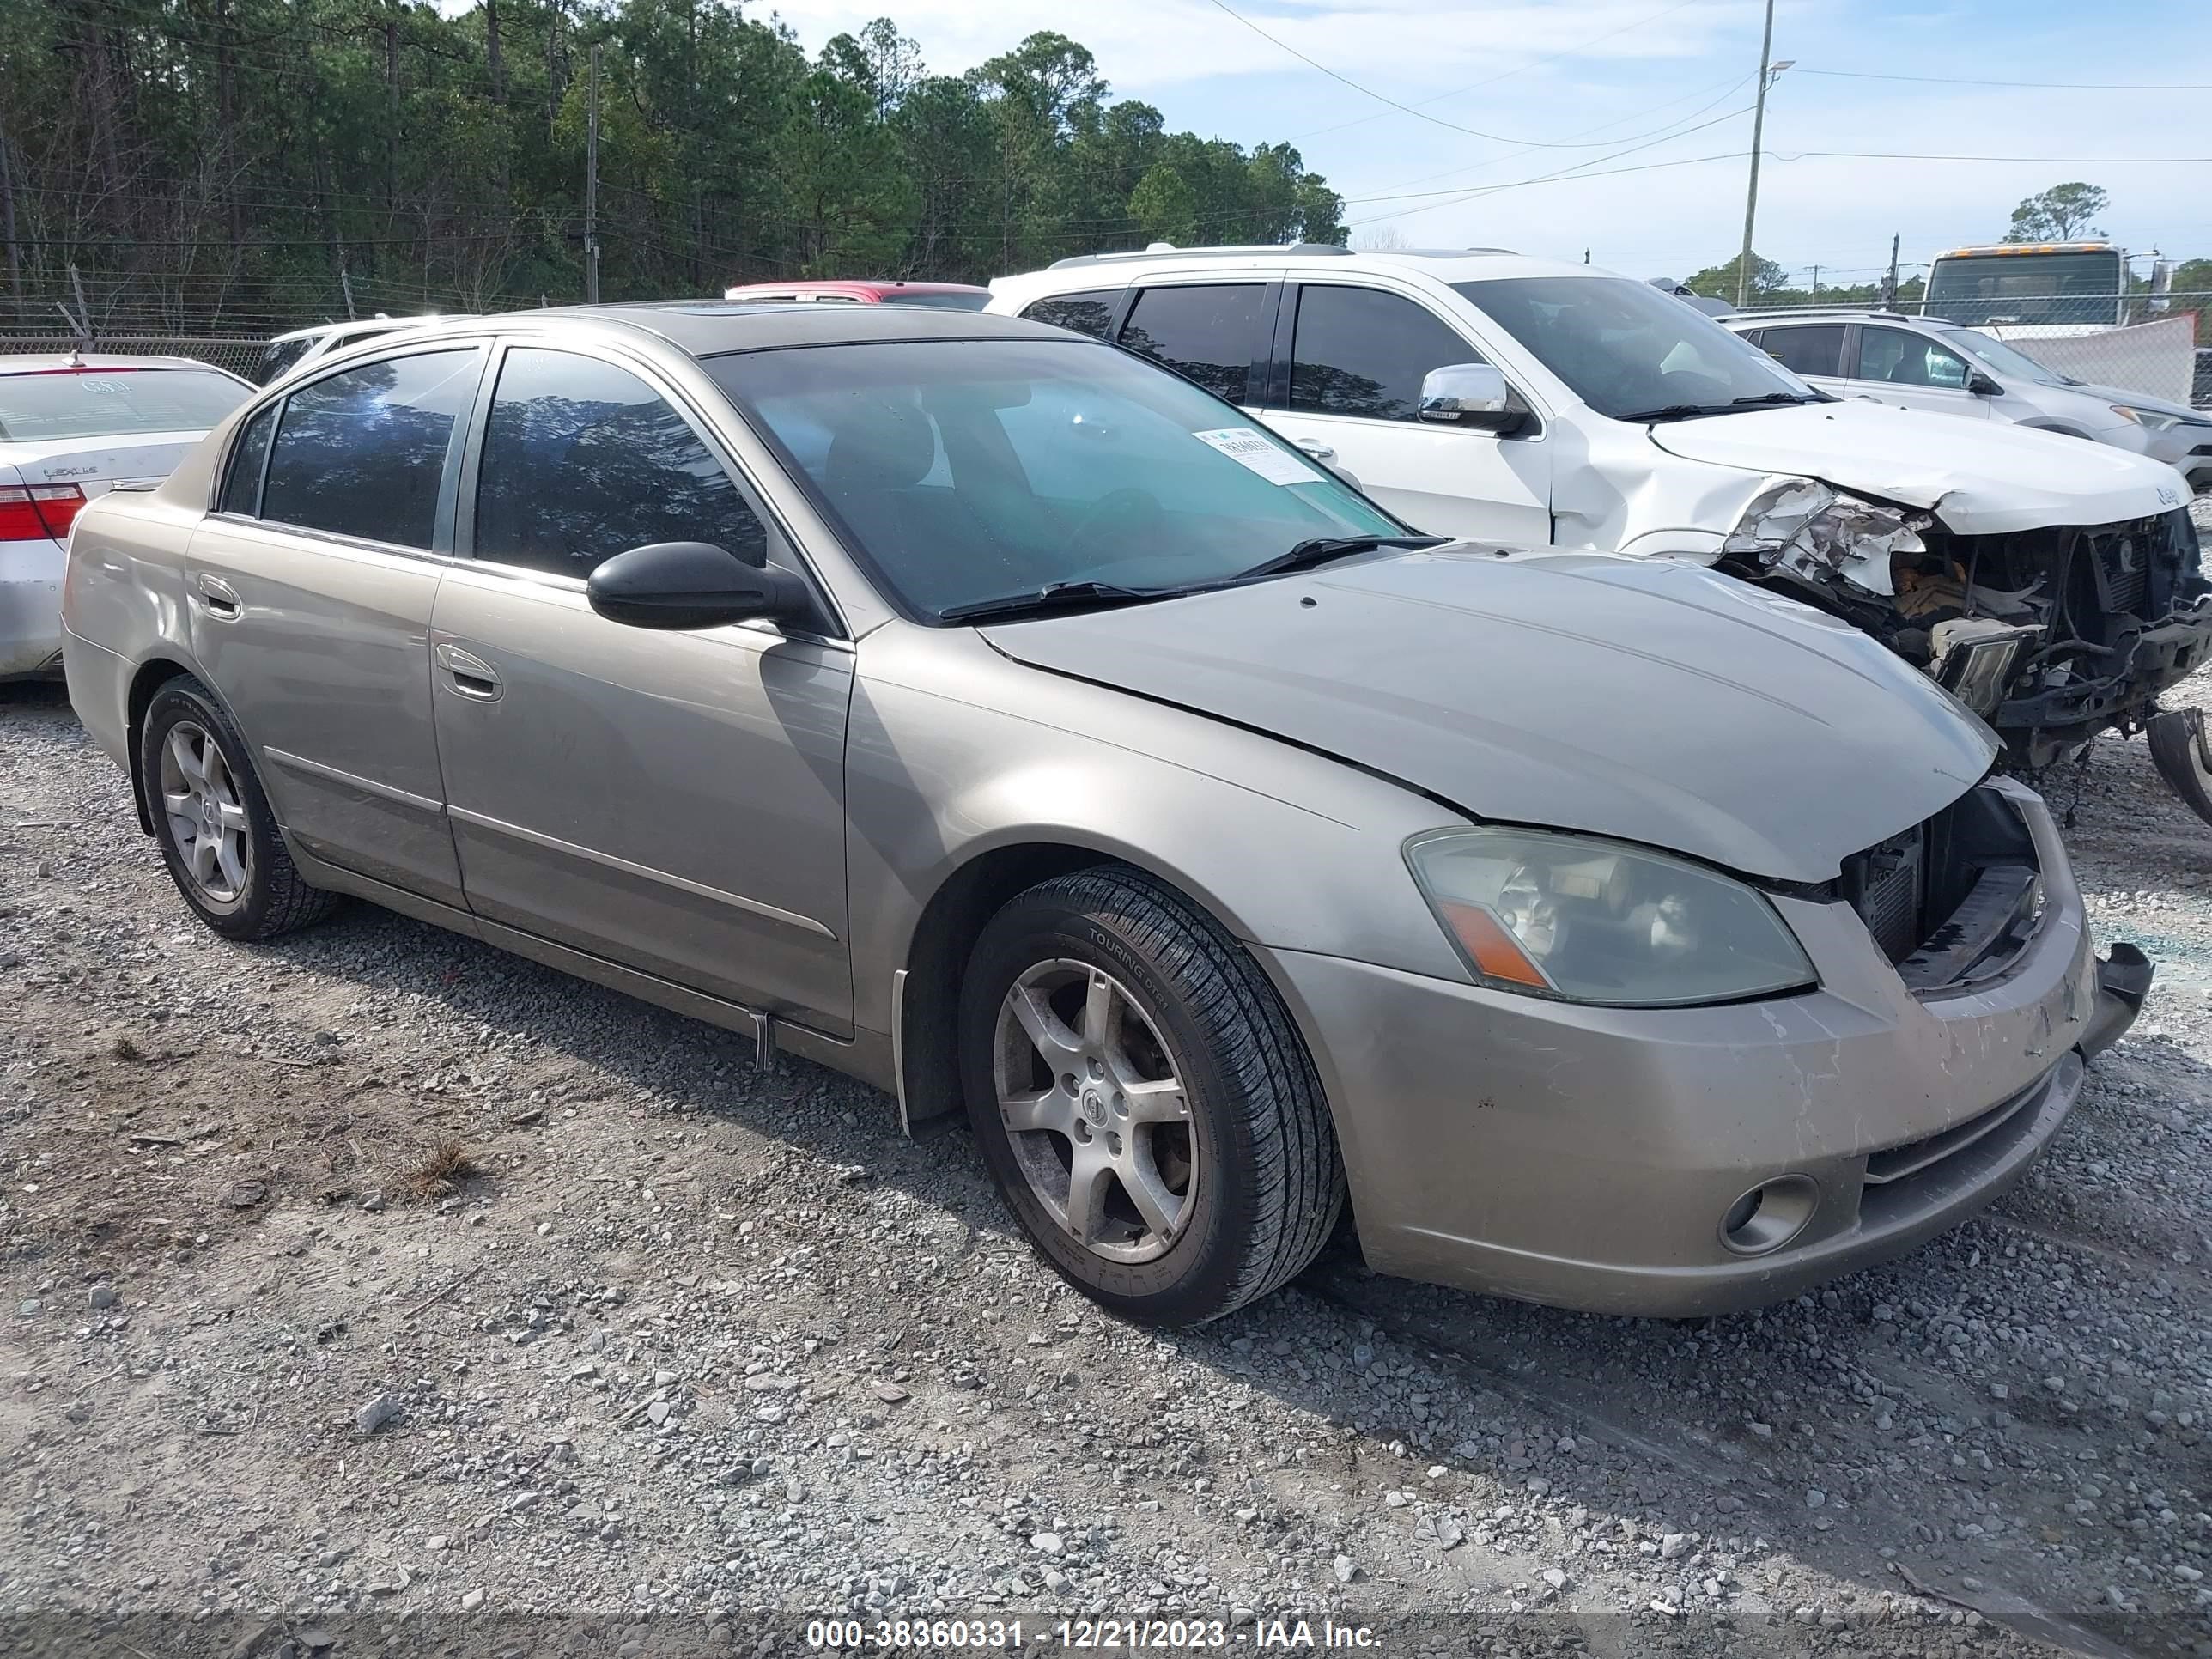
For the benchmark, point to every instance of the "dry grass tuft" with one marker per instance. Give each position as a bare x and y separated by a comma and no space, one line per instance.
442,1170
124,1048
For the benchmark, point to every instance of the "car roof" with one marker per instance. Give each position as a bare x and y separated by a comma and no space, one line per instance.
1444,265
709,328
363,325
91,362
881,289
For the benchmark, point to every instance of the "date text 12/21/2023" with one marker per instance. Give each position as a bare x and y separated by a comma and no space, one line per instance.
1085,1635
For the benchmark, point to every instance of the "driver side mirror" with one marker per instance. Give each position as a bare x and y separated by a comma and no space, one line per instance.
1473,395
693,585
1982,387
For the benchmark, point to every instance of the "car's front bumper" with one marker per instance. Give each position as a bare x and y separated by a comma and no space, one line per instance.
30,607
2154,658
1586,1156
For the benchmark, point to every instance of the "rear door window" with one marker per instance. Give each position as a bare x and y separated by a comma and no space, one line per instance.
363,453
1209,333
583,461
1361,352
1808,349
1090,313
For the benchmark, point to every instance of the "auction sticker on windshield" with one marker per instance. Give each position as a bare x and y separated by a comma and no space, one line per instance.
1269,461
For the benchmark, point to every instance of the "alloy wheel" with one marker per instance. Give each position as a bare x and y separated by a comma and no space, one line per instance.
206,814
1095,1111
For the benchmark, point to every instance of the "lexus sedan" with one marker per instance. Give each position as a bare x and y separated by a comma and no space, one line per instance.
990,713
72,428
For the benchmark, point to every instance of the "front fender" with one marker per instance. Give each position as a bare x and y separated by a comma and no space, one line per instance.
954,752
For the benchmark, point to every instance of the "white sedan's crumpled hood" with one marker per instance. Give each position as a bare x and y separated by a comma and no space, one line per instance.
1979,480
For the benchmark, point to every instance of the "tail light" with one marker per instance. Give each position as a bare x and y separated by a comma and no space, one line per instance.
34,513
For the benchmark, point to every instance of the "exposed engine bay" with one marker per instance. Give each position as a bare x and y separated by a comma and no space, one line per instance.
2052,635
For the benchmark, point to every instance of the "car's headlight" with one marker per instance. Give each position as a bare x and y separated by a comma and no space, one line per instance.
1801,526
1591,920
2151,420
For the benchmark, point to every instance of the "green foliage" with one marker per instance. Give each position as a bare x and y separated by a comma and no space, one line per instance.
2064,212
209,162
1768,279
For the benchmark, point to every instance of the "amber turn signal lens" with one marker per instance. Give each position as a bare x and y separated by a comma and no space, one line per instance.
1494,950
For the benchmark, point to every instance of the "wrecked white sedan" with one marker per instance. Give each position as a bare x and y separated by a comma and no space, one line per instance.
2051,584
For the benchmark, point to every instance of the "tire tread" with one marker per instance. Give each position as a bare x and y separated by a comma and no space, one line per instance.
1297,1168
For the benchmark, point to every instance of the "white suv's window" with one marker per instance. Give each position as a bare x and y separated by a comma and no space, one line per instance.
1211,332
1631,352
1807,347
1361,352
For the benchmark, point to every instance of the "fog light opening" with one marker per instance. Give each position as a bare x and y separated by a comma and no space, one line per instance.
1770,1215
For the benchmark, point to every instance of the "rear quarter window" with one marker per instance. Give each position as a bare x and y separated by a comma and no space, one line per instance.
1090,313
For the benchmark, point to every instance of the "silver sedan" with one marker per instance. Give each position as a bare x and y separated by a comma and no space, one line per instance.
989,713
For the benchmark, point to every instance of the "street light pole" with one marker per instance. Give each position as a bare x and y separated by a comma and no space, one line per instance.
1758,137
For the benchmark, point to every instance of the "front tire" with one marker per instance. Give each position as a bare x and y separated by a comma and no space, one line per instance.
217,832
2183,758
1143,1100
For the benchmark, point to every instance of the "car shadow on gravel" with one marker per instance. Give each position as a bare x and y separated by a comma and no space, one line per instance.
1931,1424
1872,1427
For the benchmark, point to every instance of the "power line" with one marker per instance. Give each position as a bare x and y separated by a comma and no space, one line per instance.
2050,161
1534,63
1575,167
2041,86
1416,112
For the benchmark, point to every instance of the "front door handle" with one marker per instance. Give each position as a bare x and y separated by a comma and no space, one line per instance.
220,599
468,674
1320,452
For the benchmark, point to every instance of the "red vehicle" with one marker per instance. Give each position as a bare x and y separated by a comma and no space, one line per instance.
949,296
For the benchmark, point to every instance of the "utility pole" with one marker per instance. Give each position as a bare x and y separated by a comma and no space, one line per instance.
1889,282
1766,74
592,188
1816,285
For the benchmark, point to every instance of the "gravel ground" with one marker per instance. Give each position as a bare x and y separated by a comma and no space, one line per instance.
374,1289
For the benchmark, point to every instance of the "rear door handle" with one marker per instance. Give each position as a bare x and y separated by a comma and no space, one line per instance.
468,674
1320,452
220,599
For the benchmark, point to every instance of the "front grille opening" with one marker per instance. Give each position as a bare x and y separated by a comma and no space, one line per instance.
1955,899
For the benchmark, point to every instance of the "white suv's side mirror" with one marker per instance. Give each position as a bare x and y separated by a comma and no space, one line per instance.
1470,395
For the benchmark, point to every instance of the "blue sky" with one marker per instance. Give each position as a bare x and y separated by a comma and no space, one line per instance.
1615,84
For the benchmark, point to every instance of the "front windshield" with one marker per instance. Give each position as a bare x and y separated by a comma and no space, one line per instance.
968,471
1998,355
1628,350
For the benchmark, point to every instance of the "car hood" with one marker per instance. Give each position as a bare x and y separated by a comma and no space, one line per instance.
1643,699
1980,478
2109,395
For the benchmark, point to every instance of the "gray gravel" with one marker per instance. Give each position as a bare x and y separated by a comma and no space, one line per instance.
692,1350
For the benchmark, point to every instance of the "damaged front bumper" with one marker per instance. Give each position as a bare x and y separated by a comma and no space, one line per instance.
2125,680
1603,1159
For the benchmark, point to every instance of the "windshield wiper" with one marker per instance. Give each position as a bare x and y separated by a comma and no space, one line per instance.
1676,412
1053,596
1774,398
1322,548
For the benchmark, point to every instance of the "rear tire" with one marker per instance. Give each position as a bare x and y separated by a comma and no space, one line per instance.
212,821
1143,1100
2178,750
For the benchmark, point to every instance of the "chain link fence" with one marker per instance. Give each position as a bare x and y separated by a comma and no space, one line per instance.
239,354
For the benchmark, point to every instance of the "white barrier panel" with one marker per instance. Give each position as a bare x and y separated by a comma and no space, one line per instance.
2155,359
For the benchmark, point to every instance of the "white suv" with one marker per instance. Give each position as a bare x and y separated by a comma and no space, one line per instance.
1924,363
2052,584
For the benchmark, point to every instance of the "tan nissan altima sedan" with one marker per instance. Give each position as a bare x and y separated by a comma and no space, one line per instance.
992,715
